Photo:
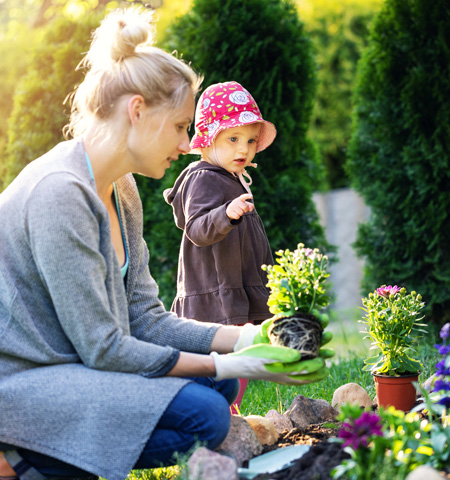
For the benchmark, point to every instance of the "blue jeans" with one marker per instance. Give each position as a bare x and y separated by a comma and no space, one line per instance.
200,412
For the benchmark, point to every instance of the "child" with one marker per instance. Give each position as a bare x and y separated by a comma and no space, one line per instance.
224,242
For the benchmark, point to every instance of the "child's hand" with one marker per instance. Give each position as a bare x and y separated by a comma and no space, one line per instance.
239,206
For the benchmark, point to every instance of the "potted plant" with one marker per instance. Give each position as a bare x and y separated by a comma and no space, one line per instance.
297,299
392,322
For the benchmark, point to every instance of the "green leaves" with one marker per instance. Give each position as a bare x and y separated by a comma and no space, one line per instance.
392,322
297,282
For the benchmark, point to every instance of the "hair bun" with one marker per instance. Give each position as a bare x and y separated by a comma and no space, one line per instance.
120,34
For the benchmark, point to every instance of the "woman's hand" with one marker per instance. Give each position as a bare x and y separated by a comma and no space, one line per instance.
272,363
239,206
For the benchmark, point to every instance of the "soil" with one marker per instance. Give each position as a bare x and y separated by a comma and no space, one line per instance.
317,463
301,332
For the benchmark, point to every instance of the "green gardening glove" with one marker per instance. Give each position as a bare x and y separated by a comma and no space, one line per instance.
261,336
285,367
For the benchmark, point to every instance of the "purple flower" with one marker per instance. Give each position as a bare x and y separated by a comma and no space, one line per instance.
441,385
445,331
443,349
444,401
358,432
386,291
441,369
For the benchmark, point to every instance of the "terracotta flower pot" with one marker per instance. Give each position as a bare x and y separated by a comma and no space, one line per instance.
303,332
398,392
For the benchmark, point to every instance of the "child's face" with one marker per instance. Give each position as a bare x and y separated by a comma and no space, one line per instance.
235,148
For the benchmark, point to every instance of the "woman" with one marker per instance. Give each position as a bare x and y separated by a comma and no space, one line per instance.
96,378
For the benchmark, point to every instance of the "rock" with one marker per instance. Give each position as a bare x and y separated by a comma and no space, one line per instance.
424,472
429,382
351,393
280,422
306,411
241,443
265,430
205,464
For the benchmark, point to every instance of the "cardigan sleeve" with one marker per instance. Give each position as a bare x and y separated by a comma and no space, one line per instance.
151,322
204,207
68,231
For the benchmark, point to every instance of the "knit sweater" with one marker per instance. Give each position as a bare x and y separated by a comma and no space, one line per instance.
83,354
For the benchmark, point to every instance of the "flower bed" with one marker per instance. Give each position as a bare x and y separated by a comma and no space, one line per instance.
385,443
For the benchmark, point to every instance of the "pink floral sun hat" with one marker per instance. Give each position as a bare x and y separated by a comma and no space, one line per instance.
228,105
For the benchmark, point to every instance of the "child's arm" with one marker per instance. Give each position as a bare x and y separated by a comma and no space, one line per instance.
201,210
239,206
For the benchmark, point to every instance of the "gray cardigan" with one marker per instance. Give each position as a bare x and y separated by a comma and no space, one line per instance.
82,354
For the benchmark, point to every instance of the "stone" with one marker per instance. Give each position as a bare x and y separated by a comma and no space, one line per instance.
280,422
205,464
351,393
424,472
241,443
429,382
307,411
265,430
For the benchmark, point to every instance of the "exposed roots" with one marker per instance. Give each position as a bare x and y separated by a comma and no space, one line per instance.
303,333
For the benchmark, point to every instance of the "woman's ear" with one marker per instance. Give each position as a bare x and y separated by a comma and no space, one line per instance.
136,105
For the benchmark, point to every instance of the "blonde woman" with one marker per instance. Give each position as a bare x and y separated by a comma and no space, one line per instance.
96,378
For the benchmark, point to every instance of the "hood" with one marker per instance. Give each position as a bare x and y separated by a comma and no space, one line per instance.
173,196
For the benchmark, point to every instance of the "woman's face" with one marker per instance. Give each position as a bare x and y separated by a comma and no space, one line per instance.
160,137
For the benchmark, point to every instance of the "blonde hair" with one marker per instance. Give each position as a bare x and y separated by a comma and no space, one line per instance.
121,60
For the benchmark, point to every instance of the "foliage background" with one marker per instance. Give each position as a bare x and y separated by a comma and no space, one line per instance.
400,151
339,32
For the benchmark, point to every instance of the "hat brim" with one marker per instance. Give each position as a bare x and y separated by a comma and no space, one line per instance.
266,136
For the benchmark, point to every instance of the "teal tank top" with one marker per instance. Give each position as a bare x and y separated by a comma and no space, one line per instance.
124,268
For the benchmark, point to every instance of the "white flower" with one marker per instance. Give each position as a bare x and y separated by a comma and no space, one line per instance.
248,117
239,97
206,102
212,127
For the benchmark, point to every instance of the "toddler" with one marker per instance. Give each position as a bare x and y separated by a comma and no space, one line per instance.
224,242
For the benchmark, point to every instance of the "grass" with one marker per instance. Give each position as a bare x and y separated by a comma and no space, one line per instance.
345,367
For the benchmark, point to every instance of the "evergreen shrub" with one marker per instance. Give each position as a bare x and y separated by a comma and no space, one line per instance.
38,114
339,31
262,45
400,151
14,46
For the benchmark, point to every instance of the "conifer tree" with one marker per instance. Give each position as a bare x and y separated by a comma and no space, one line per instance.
399,155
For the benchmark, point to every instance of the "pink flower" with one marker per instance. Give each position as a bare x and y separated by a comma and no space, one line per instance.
385,291
358,432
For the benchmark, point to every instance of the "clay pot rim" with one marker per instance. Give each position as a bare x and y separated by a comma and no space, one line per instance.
405,375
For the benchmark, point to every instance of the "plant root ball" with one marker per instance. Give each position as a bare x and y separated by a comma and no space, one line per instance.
302,332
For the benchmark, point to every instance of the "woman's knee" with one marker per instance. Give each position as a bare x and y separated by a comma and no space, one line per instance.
200,410
217,413
230,390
